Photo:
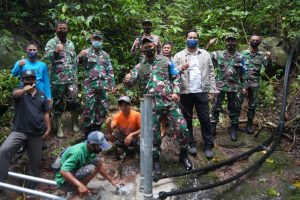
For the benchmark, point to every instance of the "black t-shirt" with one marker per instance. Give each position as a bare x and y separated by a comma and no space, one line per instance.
29,113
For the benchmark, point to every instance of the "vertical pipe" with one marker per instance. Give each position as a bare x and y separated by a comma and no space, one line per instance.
142,157
148,147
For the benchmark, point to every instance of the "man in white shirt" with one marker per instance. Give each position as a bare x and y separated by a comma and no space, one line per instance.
197,81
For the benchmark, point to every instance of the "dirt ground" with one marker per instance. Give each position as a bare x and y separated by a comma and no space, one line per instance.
278,177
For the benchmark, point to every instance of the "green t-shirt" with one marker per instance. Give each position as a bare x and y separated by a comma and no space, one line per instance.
75,157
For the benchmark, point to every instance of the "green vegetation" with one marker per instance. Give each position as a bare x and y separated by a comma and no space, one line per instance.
120,21
7,84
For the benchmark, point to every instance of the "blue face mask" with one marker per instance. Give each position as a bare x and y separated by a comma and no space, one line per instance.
96,44
191,43
32,55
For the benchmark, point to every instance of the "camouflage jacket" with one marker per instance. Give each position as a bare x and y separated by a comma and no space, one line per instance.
254,63
231,72
98,71
156,79
63,67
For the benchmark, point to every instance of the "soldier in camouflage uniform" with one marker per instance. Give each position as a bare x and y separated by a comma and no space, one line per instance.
254,61
153,76
61,53
136,46
231,77
98,79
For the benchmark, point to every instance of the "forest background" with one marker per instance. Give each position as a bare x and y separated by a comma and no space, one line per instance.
120,21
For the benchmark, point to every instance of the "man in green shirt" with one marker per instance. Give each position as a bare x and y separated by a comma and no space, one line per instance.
79,164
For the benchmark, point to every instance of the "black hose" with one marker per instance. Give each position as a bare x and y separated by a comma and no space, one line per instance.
164,195
277,132
214,166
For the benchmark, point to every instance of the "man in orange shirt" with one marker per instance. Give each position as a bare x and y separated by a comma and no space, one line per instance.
125,125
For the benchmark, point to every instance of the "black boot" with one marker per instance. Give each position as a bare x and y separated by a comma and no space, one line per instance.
233,132
214,128
192,149
156,166
89,129
249,128
184,159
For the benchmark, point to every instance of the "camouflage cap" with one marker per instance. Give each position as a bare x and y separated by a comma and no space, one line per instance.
230,35
97,34
147,39
146,21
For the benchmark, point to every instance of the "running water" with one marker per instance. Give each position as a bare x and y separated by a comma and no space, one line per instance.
124,189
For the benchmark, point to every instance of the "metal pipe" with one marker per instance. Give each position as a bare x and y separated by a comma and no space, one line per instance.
32,178
142,161
148,147
29,191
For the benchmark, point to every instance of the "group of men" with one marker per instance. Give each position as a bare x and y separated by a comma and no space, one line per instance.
178,84
186,81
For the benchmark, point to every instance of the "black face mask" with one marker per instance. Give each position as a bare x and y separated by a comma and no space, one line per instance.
62,35
150,52
254,44
147,30
231,47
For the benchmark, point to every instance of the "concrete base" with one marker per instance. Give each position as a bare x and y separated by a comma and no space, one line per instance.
131,190
162,185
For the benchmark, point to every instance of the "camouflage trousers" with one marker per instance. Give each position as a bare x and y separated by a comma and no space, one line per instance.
252,101
65,96
95,106
177,125
81,174
232,106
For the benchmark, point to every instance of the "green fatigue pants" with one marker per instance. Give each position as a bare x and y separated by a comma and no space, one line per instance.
232,105
95,106
177,125
65,96
252,101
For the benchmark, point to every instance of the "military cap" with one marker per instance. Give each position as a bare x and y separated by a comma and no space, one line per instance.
230,35
97,34
146,21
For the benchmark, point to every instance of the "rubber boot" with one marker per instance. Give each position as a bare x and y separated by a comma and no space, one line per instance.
156,166
184,159
92,128
74,117
249,127
58,125
192,149
233,132
88,130
214,128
